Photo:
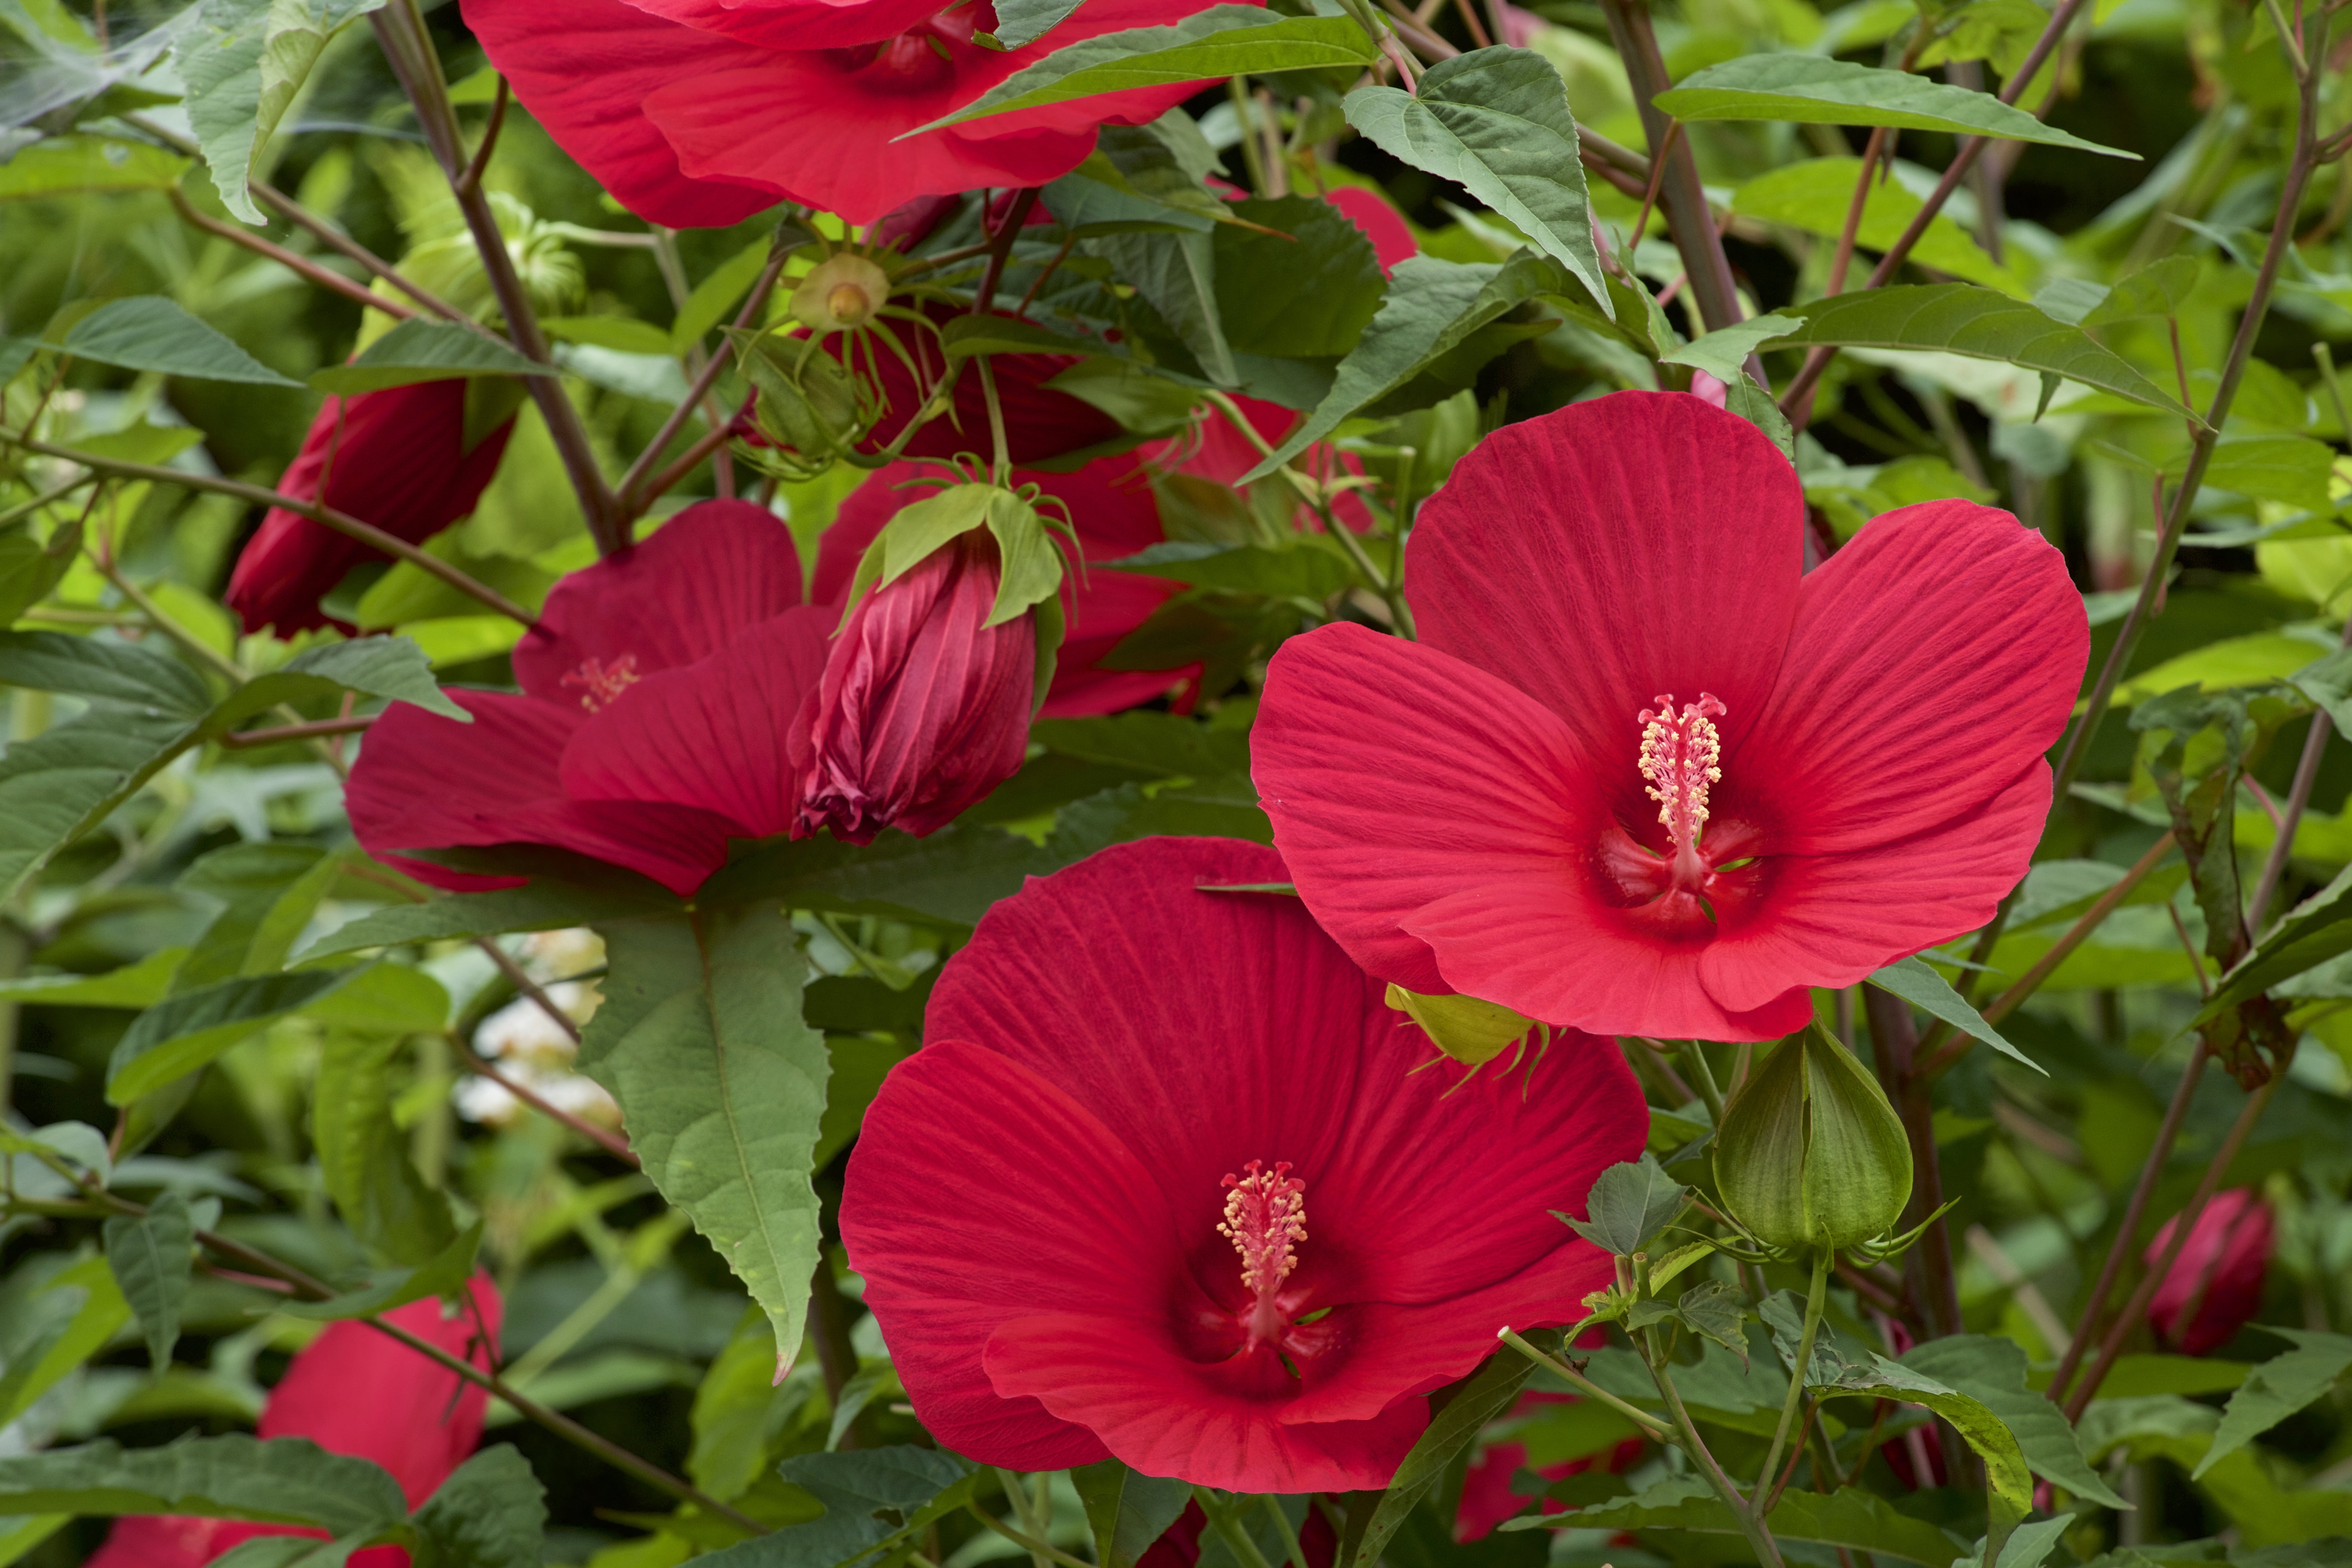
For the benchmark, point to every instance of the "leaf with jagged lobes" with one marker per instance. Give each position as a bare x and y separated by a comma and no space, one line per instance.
721,1086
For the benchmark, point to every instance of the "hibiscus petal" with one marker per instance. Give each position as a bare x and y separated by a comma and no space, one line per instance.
424,782
1160,1414
707,575
1397,776
795,23
1067,1208
715,733
1831,920
1932,659
822,126
1615,551
584,68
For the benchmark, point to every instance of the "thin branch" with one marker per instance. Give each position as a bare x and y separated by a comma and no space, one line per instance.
633,482
471,180
341,522
283,733
301,266
604,1138
1000,247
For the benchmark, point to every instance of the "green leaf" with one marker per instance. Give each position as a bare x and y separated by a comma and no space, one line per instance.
2315,930
1961,319
394,669
1994,1373
1221,41
104,671
182,1032
1815,90
445,1274
2291,470
1497,122
1916,982
1631,1202
547,904
716,295
1300,569
269,892
1177,276
30,569
1309,296
1815,194
1020,22
1849,1518
363,1157
152,1257
1430,308
2276,1389
151,333
1156,743
1490,1391
1723,353
244,61
721,1086
490,1513
418,349
285,1480
69,1319
1128,1512
1717,1312
75,166
875,1500
140,985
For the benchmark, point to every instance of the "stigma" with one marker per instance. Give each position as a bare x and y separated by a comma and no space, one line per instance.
1679,757
1266,1218
599,683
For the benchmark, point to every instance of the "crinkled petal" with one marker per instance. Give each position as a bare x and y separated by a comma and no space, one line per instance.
1613,552
1831,920
585,69
424,782
1932,659
707,576
1164,1418
715,733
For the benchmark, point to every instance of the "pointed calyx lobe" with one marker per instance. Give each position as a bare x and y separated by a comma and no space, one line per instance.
1644,777
1282,1249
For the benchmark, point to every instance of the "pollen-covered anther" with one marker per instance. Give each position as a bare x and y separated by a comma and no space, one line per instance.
599,683
1266,1216
1679,753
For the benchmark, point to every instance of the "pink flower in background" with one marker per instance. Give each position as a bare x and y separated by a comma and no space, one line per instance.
360,1392
2216,1283
396,458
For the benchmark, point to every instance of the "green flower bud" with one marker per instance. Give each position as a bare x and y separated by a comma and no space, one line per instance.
839,293
1810,1153
1470,1031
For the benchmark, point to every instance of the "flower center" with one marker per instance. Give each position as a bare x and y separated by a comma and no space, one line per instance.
599,683
1265,1218
1679,753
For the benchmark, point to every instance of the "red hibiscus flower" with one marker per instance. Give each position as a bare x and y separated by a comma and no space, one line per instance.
355,1392
1112,509
657,694
923,708
1641,776
2216,1284
396,458
1221,1230
695,113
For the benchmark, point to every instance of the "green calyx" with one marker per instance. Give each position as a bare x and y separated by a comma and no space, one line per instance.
1470,1031
1810,1153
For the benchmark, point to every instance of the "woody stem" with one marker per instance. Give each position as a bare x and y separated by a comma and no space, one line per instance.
1788,1408
1768,1550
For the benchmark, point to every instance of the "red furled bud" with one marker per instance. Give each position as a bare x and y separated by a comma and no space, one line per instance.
396,458
922,709
2215,1286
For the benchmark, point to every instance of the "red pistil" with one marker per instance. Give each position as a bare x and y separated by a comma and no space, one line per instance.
1266,1216
599,683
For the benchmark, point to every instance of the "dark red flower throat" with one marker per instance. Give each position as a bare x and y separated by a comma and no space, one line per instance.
1706,869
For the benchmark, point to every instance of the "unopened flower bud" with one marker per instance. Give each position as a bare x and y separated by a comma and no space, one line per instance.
1470,1031
924,708
840,292
1810,1153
